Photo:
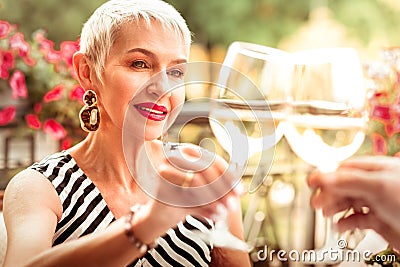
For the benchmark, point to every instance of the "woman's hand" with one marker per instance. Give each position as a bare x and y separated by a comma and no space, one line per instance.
191,180
370,182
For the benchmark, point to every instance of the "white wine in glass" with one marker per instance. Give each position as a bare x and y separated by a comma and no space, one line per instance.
327,120
251,101
323,137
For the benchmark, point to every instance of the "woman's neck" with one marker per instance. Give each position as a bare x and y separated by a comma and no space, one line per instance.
101,157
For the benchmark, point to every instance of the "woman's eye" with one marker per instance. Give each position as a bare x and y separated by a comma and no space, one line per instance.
139,64
176,73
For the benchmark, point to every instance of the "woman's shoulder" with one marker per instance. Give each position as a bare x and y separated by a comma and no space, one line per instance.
27,178
29,188
36,179
30,192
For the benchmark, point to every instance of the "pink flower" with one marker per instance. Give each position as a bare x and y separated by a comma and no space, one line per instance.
66,143
37,108
7,59
381,113
389,130
55,129
379,144
393,126
29,61
77,93
18,56
45,44
39,35
33,121
7,115
18,42
4,29
54,94
68,48
4,73
18,85
379,94
53,56
6,63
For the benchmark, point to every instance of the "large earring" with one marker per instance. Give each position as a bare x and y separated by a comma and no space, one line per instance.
89,115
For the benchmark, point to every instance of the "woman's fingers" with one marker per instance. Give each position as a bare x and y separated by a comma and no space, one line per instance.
333,203
191,157
187,177
214,184
216,172
371,163
204,181
362,182
347,181
371,221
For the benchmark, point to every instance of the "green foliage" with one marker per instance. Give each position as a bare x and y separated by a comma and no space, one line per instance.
217,22
259,21
368,19
62,19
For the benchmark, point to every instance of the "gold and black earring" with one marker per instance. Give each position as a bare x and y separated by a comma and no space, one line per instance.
89,115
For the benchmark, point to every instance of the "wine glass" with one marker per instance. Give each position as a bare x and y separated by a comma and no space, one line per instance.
251,102
327,119
248,102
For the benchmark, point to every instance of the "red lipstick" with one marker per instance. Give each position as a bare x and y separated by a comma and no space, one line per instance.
152,111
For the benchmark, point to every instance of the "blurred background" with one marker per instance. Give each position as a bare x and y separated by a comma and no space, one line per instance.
367,25
279,214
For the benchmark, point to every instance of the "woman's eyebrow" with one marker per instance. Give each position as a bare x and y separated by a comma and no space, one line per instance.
179,61
142,50
153,55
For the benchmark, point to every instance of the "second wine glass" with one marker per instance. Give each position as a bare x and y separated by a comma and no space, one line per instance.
327,119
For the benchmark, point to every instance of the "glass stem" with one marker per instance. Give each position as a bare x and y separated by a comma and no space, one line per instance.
332,234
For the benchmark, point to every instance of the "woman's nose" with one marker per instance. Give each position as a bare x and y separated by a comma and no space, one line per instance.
160,85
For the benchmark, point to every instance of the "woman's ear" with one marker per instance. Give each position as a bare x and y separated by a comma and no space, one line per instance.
83,70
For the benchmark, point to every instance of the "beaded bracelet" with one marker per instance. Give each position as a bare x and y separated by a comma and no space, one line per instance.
143,248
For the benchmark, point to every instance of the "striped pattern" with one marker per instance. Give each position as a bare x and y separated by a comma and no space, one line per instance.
85,212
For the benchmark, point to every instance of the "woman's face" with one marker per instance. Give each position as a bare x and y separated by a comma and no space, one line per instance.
139,53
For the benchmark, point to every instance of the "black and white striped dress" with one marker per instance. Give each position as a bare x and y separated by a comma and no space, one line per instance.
85,212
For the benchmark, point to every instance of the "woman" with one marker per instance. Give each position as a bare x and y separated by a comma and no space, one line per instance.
74,207
370,182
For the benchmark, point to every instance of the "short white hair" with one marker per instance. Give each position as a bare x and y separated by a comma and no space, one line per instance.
100,31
